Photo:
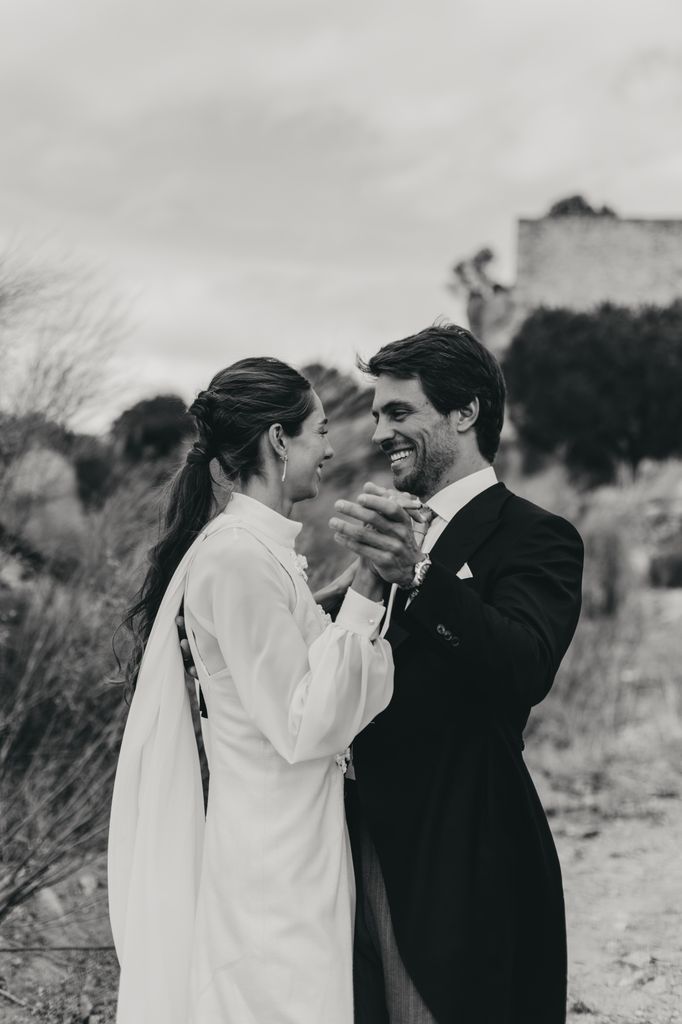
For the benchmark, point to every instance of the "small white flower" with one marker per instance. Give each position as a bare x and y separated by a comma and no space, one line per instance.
343,760
325,617
301,565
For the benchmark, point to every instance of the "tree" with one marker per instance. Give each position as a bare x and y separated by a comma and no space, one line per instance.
600,389
58,335
95,470
339,392
152,428
578,206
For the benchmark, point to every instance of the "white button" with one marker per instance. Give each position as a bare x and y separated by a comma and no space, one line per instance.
372,621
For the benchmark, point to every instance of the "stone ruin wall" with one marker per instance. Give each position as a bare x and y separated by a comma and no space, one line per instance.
577,262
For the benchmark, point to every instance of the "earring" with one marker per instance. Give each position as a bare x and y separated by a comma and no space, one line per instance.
285,459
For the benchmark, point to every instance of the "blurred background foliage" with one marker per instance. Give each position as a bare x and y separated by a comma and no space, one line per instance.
594,433
600,390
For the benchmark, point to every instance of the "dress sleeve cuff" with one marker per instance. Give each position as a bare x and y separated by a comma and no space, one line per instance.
360,615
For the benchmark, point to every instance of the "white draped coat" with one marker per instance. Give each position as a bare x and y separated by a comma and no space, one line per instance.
246,916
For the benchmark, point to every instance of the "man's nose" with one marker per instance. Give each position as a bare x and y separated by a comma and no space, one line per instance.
329,452
382,432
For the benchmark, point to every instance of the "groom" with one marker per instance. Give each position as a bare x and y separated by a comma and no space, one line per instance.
460,915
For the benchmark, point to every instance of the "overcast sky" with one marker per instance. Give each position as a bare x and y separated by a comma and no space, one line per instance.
297,177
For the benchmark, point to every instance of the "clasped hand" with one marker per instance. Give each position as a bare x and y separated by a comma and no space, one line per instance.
380,530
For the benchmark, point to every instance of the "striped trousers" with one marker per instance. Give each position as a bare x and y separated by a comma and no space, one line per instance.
384,991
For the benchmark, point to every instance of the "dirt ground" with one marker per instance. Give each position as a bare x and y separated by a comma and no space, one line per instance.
621,853
621,850
615,807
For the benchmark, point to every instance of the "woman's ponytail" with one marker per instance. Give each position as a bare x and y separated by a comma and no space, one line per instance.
241,403
190,505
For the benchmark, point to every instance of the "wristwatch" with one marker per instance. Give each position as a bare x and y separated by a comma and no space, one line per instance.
420,570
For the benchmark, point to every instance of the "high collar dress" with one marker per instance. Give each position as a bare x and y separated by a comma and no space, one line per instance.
286,692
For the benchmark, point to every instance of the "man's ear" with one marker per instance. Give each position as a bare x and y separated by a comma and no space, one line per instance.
467,415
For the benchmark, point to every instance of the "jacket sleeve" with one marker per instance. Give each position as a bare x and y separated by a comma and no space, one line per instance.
312,701
518,637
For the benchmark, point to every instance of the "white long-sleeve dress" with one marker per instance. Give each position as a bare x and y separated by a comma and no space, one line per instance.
271,905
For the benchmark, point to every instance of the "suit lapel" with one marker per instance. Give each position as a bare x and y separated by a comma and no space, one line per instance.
470,528
460,539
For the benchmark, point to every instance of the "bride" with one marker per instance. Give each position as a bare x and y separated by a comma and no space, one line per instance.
244,916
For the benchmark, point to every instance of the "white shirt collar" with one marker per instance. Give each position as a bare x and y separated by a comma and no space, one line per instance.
451,499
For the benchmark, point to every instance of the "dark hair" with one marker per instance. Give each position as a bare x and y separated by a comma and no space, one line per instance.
239,405
453,368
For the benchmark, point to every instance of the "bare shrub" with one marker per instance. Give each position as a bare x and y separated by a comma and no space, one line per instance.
60,717
62,706
59,332
58,730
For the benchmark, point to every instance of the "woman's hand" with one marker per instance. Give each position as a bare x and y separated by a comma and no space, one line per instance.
366,580
331,595
379,527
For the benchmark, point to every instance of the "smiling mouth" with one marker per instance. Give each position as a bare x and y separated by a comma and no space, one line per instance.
399,455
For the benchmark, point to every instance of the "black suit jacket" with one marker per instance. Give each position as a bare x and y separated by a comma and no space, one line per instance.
469,863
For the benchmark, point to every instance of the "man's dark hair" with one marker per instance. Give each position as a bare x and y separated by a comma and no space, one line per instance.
453,368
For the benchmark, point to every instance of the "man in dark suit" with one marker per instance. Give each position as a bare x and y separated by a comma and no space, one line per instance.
460,907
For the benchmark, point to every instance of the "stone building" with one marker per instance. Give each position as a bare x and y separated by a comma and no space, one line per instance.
574,257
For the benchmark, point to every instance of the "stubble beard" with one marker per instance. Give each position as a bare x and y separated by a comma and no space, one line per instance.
429,470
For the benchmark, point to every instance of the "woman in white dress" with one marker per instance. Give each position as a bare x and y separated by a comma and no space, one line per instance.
244,916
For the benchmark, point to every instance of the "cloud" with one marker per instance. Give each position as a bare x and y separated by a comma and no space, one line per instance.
309,171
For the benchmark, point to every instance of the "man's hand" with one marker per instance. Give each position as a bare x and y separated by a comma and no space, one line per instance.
410,502
188,661
381,531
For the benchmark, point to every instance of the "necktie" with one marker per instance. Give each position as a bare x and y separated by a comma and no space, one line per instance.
421,529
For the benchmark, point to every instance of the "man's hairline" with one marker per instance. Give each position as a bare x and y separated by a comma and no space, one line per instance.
413,376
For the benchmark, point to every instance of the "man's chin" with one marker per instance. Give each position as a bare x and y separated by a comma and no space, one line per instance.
406,481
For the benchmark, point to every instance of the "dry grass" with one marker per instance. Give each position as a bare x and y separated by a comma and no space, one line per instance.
622,674
61,707
61,718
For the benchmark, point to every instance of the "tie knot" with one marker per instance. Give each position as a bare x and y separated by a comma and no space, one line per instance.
421,528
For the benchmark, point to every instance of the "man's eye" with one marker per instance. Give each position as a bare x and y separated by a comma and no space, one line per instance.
400,414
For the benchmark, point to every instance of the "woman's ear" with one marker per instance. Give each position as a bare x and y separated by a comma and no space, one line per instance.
276,439
467,415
